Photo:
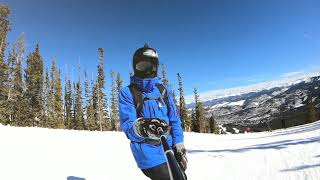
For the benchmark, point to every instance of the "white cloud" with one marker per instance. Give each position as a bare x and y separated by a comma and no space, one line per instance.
293,74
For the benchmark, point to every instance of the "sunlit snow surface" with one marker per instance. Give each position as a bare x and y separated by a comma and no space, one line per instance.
43,154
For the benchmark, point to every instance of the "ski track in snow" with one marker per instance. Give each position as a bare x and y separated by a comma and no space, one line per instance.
46,154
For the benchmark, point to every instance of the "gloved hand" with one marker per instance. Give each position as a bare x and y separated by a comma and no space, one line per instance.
180,154
148,127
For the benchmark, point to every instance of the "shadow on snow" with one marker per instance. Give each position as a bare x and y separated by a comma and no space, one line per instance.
292,130
274,145
300,168
75,178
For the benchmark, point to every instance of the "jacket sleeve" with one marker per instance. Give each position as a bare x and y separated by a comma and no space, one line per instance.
174,120
128,115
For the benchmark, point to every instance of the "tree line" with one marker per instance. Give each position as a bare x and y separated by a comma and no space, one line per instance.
33,96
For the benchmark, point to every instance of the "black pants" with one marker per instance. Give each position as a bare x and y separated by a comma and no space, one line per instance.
159,172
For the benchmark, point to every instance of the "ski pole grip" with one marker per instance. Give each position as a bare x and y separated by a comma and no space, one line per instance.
163,139
160,131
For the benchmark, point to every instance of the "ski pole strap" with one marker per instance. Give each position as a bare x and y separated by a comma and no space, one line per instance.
164,94
137,98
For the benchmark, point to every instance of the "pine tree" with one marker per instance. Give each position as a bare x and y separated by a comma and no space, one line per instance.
68,104
213,125
164,75
67,100
173,92
92,121
119,87
73,123
102,106
19,102
50,117
194,125
3,92
57,102
92,108
185,119
49,92
45,100
119,82
115,124
311,112
34,85
14,82
47,95
86,98
10,109
200,120
79,120
4,29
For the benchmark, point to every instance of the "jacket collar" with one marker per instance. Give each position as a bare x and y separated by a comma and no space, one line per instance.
146,84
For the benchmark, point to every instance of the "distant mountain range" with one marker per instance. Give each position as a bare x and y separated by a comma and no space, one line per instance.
266,104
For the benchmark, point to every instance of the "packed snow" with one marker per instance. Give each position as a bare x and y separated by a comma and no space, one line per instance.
38,154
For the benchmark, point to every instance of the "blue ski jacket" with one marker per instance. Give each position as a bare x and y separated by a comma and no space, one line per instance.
148,155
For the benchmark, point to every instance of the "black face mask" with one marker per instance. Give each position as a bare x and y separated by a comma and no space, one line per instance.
146,69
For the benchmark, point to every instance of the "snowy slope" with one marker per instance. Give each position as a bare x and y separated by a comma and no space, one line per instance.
255,107
38,154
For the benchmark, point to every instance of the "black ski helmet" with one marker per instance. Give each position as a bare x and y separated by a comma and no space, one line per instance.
145,62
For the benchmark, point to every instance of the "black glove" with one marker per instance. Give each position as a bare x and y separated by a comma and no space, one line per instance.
180,154
148,127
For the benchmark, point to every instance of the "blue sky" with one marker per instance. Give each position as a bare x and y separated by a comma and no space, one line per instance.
214,44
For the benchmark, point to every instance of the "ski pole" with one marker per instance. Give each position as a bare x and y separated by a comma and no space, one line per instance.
173,166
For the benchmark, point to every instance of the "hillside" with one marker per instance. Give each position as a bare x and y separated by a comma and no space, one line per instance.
37,154
266,104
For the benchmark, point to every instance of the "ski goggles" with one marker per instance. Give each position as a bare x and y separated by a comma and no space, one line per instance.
146,66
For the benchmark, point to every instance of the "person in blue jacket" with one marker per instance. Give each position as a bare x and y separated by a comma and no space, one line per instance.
139,118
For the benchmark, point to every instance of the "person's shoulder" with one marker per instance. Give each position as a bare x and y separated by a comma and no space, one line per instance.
166,87
125,90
